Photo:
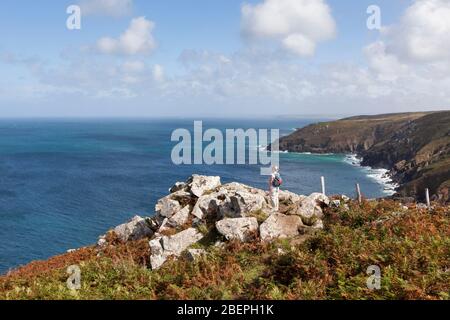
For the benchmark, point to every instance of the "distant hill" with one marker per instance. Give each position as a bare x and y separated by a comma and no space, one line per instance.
415,147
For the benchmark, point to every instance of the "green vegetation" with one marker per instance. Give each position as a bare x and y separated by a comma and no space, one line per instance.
412,248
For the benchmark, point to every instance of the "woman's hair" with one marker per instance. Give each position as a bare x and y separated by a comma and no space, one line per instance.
275,169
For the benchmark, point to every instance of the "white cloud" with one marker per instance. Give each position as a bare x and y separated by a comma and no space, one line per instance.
423,32
386,66
115,8
137,39
298,24
411,60
134,66
258,81
299,44
158,73
248,83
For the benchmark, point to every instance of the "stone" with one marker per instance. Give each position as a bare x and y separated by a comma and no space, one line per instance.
157,257
176,244
310,209
156,245
183,197
102,242
234,187
201,184
279,226
164,226
194,254
320,198
237,228
155,222
345,198
318,225
163,247
134,230
244,203
178,187
180,218
205,205
289,198
167,207
309,213
156,261
226,210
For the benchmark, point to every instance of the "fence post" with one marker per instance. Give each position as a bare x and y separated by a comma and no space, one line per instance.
322,180
427,196
358,193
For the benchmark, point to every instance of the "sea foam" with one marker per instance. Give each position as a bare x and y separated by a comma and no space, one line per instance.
380,176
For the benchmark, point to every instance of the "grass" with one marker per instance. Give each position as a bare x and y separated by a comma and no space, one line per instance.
411,247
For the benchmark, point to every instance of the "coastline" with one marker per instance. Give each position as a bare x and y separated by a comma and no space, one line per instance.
381,176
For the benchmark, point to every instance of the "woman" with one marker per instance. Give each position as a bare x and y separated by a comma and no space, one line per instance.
275,182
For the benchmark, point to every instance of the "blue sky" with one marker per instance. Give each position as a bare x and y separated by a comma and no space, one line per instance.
204,57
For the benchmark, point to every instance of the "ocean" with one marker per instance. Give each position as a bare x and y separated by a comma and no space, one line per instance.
65,182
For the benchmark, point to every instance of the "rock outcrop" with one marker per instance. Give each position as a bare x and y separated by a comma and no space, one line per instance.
234,212
238,228
136,229
201,184
310,208
164,247
279,226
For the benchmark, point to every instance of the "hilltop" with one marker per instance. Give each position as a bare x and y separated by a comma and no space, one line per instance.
415,147
213,241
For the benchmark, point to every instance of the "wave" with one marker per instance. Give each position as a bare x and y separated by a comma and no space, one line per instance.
262,148
314,154
353,159
381,176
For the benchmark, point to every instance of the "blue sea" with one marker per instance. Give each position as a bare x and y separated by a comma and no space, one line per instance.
65,182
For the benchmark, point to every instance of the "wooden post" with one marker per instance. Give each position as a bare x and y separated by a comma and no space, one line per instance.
358,193
427,196
322,180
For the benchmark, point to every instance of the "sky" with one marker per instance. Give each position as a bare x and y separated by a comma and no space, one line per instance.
226,58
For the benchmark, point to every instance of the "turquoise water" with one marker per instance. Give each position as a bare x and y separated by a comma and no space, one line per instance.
63,183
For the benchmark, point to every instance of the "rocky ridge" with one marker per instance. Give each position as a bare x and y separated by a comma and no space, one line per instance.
204,210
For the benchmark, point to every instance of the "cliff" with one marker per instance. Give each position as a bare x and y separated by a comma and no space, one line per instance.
415,147
209,240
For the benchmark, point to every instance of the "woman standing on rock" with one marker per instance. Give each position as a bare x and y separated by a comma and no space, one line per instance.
275,182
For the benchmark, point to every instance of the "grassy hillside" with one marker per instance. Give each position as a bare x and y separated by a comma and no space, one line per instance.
411,246
347,135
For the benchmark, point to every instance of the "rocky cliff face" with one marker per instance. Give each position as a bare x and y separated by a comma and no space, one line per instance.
415,147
